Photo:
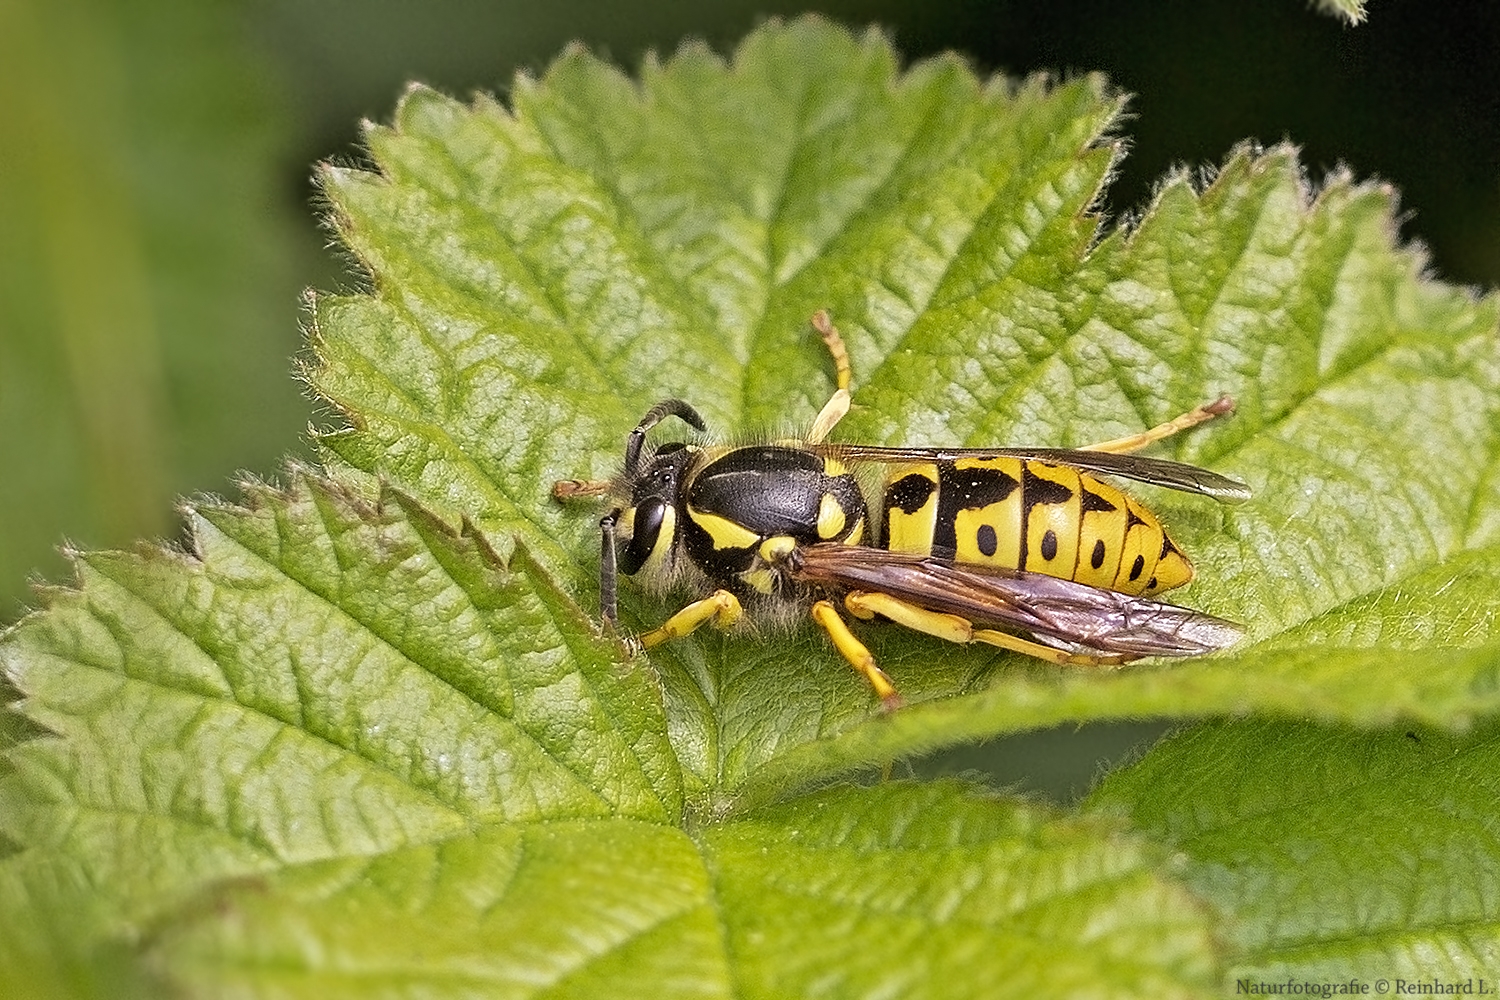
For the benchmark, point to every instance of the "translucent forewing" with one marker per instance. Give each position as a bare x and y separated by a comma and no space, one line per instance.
1156,471
1094,619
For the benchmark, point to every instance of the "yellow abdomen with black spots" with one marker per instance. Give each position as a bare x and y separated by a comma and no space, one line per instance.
1027,514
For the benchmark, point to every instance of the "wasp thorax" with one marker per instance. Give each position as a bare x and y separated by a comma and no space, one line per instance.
746,510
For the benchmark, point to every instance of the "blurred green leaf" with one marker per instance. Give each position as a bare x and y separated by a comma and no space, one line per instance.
148,272
1341,854
940,891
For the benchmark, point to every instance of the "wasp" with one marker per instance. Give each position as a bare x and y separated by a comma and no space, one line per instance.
965,544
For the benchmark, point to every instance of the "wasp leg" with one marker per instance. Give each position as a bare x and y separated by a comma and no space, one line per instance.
1016,644
569,489
722,608
1192,418
866,605
954,628
838,405
833,411
830,335
855,652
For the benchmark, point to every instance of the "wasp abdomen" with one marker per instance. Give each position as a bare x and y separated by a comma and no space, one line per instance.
1030,515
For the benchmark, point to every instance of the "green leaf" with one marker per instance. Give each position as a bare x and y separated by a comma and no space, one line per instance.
1341,854
563,908
318,679
542,276
891,891
898,891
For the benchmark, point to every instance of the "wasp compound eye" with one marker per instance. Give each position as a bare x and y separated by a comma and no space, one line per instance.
646,521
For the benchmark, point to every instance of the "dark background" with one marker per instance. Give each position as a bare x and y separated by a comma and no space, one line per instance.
157,220
1411,96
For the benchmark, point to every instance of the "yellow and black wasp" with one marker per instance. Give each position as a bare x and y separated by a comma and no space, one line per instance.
959,543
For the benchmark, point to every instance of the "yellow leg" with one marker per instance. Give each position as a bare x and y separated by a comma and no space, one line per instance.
830,335
836,407
722,608
1016,644
1191,418
867,605
855,652
833,411
960,630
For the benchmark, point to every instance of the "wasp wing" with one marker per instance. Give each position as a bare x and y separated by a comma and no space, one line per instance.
1066,612
1156,471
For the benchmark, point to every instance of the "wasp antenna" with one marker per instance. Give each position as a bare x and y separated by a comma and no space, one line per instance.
655,415
671,408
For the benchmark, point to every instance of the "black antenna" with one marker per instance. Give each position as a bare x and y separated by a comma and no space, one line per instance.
655,415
